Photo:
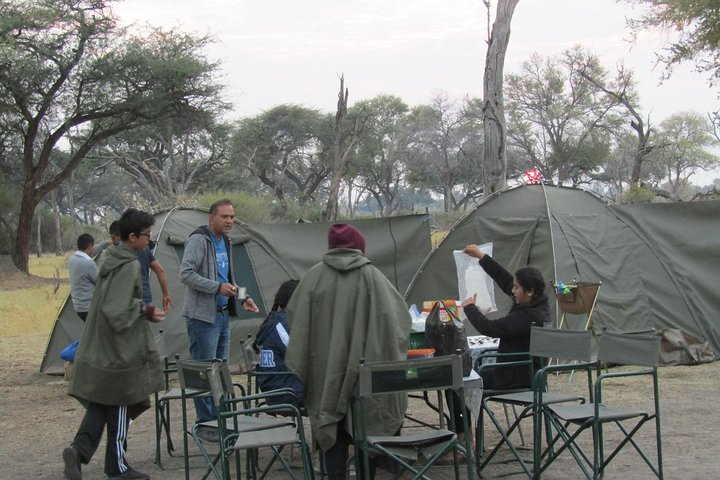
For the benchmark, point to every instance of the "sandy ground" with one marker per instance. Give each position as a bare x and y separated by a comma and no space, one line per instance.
38,419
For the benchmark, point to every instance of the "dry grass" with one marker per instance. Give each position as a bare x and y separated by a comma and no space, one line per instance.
33,310
49,266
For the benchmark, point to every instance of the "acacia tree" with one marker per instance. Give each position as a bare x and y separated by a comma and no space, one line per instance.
67,69
444,149
286,148
686,140
379,160
170,160
624,93
560,120
697,27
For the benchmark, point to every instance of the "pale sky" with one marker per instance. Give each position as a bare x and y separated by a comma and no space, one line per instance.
291,51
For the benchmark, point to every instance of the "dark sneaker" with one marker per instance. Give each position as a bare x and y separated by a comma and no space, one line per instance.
208,434
129,474
72,464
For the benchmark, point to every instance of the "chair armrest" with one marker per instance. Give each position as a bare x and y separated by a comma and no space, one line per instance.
282,409
611,375
479,366
240,388
256,373
246,399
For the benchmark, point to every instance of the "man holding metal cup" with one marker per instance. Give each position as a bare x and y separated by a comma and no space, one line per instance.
211,296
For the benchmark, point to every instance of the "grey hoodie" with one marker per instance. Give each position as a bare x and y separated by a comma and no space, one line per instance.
198,271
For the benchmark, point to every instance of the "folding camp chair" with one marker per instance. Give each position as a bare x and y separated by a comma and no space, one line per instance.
544,343
241,429
163,400
640,351
486,360
438,374
194,383
198,376
162,410
252,385
579,300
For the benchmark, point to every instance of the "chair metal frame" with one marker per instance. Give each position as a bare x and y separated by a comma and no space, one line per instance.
640,351
194,383
162,411
545,343
242,427
480,366
428,374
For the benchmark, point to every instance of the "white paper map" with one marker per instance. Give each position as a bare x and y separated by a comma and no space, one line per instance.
472,279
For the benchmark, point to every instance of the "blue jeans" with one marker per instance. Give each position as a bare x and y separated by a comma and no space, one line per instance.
208,341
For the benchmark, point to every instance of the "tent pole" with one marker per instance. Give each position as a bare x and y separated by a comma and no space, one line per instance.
552,246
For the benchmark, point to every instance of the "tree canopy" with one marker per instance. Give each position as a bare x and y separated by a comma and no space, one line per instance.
697,24
70,75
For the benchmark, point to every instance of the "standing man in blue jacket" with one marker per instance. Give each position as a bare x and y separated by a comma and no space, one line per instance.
210,297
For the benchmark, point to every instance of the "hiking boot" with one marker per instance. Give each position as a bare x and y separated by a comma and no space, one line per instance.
208,434
71,458
129,474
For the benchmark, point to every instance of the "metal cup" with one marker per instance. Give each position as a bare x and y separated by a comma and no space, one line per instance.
241,292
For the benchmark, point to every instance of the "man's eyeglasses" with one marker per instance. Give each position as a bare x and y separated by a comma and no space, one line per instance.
144,234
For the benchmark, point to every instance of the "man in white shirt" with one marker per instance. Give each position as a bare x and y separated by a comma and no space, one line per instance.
83,275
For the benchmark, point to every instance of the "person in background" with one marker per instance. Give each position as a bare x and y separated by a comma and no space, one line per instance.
116,365
148,262
83,275
114,231
210,297
344,309
271,343
530,308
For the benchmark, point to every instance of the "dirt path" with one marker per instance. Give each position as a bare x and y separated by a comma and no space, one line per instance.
38,419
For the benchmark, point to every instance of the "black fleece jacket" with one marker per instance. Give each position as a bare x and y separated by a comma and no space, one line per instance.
513,330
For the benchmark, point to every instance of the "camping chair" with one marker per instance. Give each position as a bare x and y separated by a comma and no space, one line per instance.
194,383
489,359
544,343
252,386
640,351
241,429
196,375
439,374
580,300
163,400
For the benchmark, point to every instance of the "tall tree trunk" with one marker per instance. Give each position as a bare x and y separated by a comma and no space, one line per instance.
38,245
71,202
494,145
21,249
340,153
56,219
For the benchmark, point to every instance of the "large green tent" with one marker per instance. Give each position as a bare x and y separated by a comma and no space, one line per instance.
264,257
659,263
